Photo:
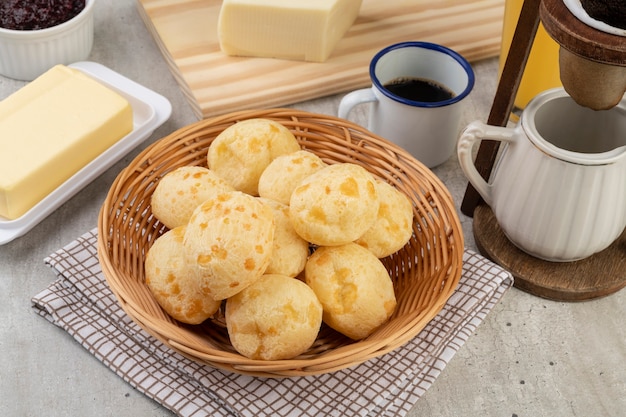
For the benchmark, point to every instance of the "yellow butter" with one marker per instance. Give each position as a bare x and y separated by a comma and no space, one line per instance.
306,30
50,129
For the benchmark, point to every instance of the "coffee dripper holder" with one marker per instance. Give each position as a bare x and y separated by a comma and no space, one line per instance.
593,72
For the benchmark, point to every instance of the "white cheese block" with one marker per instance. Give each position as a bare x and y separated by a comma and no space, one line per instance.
50,129
305,30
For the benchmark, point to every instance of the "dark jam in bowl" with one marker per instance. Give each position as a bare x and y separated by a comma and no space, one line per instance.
37,14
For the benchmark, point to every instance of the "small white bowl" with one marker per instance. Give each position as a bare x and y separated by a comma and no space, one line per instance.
26,54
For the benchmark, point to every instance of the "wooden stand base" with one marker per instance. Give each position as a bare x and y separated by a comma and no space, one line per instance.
596,276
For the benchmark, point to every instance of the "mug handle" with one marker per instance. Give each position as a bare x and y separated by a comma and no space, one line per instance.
354,98
473,133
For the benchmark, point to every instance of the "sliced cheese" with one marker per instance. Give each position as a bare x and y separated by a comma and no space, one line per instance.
50,129
306,30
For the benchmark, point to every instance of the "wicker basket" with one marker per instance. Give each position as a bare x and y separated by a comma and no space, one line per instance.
425,272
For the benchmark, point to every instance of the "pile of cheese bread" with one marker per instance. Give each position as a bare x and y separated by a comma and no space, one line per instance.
284,239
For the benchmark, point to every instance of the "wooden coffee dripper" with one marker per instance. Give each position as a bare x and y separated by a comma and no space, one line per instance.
593,71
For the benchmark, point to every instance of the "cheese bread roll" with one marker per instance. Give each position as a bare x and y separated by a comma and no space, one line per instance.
180,191
394,223
242,151
285,172
335,205
173,284
228,242
277,317
290,251
354,288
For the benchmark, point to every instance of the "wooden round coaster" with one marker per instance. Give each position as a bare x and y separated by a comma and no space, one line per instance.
596,276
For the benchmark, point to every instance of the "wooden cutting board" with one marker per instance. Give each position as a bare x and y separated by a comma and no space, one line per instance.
186,33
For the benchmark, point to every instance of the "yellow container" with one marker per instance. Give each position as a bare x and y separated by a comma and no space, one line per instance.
542,69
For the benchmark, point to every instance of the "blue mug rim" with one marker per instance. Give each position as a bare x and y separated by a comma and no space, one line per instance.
427,45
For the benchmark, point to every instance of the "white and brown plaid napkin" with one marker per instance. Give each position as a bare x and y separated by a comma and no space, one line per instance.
81,303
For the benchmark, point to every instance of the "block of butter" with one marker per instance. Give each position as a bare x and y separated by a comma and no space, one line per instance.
305,30
50,129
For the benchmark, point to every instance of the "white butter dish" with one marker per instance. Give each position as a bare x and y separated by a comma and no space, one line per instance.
150,110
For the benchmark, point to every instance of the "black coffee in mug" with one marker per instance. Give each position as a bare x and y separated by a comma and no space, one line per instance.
419,89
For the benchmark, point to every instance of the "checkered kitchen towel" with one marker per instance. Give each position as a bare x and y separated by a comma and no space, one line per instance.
81,303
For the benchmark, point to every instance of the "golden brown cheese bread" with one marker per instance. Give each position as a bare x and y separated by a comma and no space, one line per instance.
290,251
394,222
173,285
335,205
228,242
179,192
277,317
284,173
354,288
242,151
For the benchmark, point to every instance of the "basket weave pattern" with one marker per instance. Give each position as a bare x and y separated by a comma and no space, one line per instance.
425,272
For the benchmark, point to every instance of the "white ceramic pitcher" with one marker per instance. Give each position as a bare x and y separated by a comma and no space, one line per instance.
558,188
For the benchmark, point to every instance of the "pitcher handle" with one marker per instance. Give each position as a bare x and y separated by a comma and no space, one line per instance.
473,133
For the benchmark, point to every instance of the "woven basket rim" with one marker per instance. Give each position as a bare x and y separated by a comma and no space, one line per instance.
434,254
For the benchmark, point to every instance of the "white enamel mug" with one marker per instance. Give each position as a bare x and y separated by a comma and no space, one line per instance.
427,130
558,188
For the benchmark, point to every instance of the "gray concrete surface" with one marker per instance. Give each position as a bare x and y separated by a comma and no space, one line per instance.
531,357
